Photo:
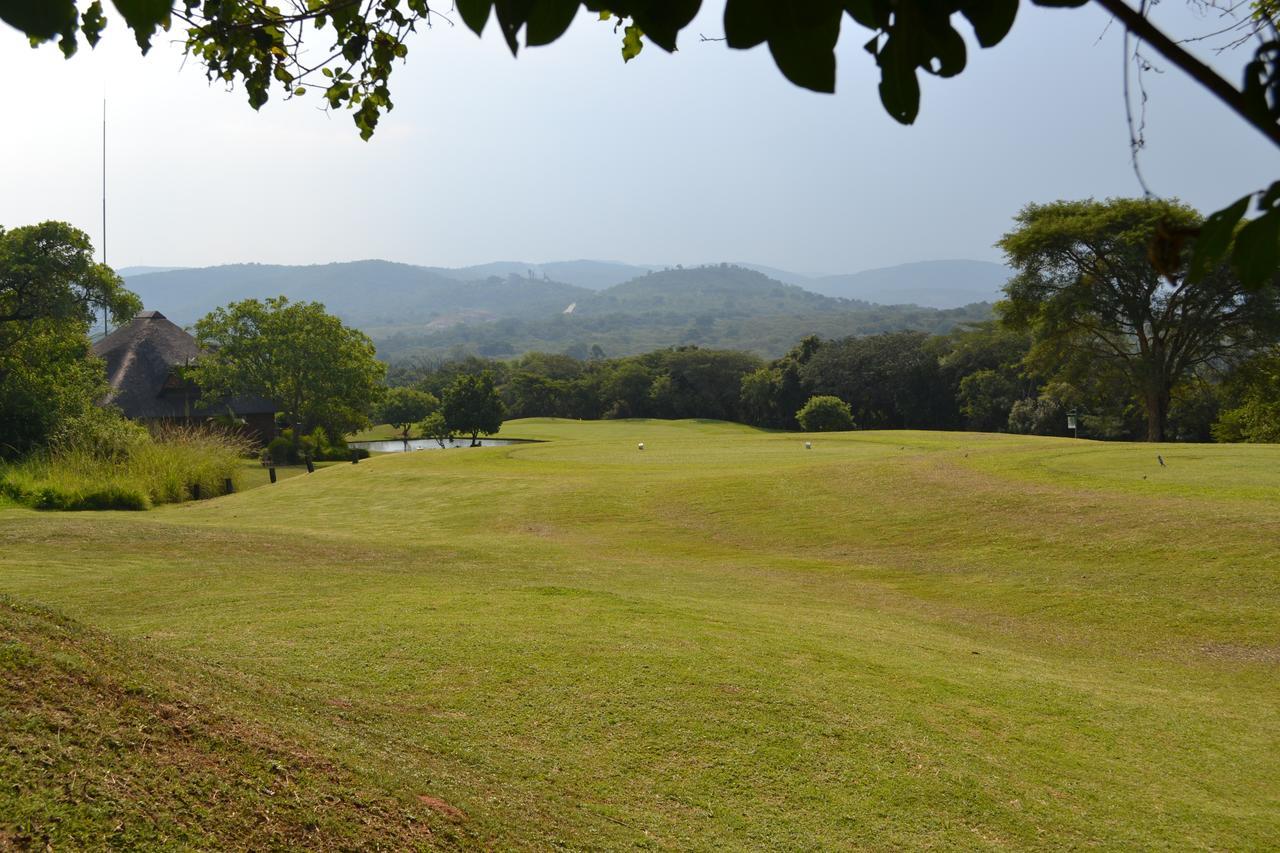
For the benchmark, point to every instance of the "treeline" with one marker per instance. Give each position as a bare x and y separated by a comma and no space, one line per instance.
975,378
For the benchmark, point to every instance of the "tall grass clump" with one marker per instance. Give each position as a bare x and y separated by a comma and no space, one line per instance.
105,462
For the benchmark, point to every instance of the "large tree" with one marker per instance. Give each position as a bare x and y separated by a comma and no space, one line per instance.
48,274
404,407
262,45
472,407
1087,291
50,291
318,371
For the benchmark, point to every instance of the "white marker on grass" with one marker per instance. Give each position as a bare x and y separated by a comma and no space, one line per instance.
640,445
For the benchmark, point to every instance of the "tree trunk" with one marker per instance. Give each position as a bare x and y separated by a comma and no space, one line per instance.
1157,405
474,443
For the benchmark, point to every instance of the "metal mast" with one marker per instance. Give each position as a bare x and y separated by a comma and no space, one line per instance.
105,330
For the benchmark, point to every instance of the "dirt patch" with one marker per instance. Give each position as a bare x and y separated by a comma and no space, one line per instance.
1243,654
439,805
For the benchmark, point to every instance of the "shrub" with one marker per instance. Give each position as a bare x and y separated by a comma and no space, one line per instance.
282,451
166,468
100,432
824,413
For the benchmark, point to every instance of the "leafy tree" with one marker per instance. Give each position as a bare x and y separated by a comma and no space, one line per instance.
47,273
625,390
434,427
890,380
825,413
318,371
1254,412
50,290
404,407
529,395
986,398
1046,413
472,407
1087,292
698,383
48,377
759,394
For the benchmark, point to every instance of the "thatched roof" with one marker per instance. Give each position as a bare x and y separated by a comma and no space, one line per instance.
141,356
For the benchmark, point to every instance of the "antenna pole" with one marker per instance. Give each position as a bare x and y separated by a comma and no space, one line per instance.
104,202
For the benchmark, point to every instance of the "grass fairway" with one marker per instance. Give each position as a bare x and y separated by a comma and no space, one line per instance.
895,639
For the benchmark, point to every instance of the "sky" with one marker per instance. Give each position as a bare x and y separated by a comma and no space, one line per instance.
565,152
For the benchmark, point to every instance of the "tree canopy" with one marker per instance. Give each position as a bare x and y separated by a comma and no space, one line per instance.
50,291
471,406
47,273
1088,293
404,407
315,369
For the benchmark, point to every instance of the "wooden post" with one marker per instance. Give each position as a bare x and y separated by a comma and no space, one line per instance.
272,471
311,468
227,486
195,491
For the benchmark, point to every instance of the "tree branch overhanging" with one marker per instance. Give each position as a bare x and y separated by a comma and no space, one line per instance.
1234,98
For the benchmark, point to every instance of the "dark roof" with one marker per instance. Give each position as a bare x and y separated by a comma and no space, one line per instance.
141,356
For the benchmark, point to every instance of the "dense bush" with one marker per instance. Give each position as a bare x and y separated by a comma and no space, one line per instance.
164,468
825,414
288,449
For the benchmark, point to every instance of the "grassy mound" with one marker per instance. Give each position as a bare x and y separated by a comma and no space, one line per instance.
101,748
727,640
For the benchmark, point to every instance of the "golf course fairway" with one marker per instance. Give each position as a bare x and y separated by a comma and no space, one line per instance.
722,641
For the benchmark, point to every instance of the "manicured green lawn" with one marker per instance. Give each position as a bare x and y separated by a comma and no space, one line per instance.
893,639
380,432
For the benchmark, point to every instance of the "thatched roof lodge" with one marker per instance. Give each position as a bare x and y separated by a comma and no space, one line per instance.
144,360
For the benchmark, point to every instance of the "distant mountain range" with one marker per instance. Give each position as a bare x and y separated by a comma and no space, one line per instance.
509,307
191,292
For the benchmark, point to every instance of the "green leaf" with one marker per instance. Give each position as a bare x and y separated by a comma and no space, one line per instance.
144,17
475,13
39,19
662,20
746,23
1215,239
899,88
801,37
548,19
631,43
93,23
991,19
1257,250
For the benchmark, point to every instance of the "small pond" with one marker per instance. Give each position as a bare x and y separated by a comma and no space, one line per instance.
397,445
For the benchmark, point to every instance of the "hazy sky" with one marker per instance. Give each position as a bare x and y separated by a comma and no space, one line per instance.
704,155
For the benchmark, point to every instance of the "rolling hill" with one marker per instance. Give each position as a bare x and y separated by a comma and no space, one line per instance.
364,293
419,311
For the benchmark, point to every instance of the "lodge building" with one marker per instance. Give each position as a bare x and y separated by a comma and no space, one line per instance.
145,360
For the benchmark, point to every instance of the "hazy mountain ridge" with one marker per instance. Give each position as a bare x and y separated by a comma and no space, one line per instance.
412,310
364,293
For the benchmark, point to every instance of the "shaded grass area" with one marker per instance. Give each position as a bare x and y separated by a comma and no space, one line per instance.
891,640
102,747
